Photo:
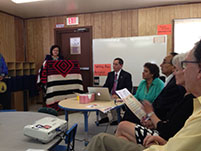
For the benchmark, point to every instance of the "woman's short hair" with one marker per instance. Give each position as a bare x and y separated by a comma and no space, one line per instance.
55,46
176,60
153,68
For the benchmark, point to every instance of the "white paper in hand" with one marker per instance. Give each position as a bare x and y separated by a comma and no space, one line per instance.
134,105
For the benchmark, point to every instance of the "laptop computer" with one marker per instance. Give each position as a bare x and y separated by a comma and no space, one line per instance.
101,93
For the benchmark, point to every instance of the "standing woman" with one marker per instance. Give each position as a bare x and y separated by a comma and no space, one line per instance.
55,53
151,86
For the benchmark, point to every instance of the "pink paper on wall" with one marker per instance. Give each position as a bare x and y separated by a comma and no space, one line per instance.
101,69
164,29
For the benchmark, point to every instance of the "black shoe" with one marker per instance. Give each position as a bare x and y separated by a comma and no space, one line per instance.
104,120
114,123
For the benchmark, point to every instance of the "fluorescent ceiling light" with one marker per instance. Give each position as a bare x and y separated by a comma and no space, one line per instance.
25,1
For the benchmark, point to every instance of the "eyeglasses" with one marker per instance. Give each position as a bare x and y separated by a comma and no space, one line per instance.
184,63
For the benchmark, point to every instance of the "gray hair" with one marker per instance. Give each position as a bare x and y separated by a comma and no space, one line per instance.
176,61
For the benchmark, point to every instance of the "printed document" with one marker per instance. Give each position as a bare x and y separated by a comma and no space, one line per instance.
133,104
101,108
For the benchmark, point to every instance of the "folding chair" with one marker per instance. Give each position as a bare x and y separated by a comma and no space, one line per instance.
69,140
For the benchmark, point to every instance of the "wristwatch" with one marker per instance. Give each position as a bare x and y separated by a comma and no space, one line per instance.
150,114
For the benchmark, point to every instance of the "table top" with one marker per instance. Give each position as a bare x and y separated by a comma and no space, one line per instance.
72,104
12,136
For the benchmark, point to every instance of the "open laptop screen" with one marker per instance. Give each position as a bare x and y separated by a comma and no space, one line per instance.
101,93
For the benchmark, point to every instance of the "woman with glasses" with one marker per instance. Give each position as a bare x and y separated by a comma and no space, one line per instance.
55,53
154,126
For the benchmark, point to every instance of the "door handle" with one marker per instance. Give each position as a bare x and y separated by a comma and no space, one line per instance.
84,68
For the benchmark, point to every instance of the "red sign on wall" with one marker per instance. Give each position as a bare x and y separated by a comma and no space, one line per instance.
72,21
164,29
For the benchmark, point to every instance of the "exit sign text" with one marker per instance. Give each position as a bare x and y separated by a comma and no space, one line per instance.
72,21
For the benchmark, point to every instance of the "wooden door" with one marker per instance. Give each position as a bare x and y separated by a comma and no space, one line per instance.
63,37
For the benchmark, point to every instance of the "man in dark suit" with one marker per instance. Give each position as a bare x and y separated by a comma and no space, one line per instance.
171,94
116,80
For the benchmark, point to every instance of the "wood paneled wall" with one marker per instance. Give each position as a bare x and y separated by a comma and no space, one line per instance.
151,17
19,40
125,23
40,32
11,38
7,37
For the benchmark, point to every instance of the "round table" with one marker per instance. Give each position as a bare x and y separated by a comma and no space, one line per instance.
72,104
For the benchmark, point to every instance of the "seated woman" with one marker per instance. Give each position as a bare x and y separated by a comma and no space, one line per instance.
149,88
165,129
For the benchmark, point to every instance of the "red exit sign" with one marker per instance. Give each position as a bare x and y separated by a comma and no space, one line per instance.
72,21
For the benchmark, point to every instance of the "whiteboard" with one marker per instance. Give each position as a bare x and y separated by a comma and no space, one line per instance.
135,51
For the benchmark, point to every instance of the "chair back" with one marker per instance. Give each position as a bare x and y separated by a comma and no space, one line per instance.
69,140
70,137
48,111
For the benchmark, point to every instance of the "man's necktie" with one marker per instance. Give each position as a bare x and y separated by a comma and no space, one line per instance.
115,84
